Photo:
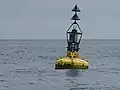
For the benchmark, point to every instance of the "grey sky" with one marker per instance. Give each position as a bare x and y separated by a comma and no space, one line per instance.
43,19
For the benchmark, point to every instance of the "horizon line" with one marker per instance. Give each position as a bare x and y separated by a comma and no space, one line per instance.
59,39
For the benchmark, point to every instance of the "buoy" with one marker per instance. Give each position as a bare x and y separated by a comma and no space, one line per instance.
72,60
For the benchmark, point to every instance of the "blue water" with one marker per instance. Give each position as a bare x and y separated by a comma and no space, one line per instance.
29,65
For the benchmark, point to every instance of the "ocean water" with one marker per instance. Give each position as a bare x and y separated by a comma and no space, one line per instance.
29,65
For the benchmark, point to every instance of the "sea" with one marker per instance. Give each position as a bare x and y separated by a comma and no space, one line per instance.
30,65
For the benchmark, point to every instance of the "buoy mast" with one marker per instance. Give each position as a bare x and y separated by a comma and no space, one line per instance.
74,36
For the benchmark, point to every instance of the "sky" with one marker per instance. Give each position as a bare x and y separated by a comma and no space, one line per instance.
50,19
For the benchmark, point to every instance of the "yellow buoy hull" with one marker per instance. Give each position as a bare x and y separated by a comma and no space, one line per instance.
71,63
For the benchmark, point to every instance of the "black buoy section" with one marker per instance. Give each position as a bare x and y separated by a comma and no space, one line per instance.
74,36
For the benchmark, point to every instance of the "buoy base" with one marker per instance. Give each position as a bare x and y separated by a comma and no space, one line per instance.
71,63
